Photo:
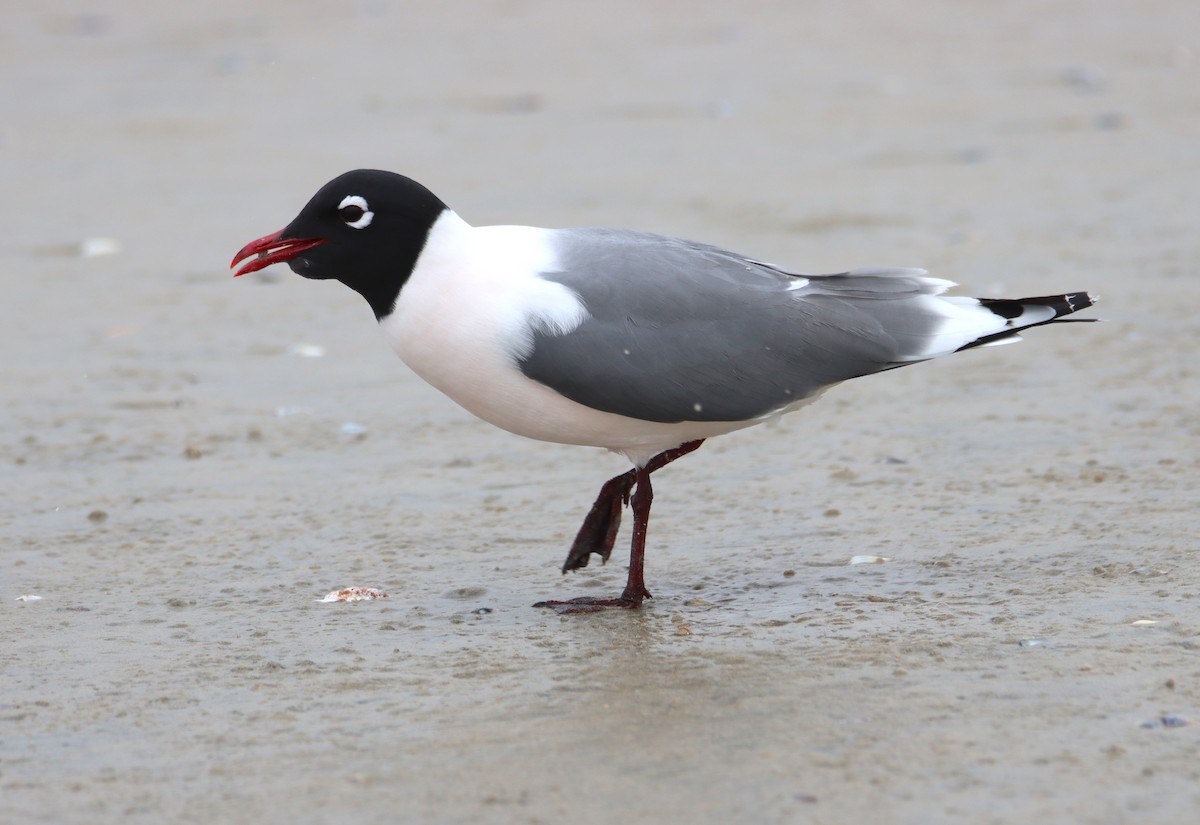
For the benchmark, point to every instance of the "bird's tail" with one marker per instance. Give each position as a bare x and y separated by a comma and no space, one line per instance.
1025,313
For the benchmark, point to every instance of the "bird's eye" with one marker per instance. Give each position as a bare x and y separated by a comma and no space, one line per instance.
354,211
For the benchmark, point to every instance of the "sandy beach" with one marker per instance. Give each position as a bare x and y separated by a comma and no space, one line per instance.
189,463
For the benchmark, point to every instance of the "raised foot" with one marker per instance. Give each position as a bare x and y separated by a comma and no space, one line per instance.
587,604
598,533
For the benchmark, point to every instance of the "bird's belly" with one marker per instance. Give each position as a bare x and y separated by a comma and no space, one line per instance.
493,388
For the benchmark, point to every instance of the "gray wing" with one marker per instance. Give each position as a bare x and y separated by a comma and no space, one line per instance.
679,331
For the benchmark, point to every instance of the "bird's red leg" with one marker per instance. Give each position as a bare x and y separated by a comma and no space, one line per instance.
599,531
667,456
643,497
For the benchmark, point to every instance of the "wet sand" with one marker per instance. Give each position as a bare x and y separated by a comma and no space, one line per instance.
182,484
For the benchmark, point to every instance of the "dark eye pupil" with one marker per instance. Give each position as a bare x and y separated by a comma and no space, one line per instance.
351,213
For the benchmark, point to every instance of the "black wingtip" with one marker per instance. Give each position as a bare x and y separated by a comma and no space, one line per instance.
1013,309
1061,304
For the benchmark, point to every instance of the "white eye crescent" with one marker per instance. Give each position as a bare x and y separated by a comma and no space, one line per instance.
354,211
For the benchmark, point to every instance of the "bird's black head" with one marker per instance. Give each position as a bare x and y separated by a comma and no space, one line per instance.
364,228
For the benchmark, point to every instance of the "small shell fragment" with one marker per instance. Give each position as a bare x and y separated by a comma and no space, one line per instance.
868,559
29,597
307,350
354,594
95,247
1144,622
